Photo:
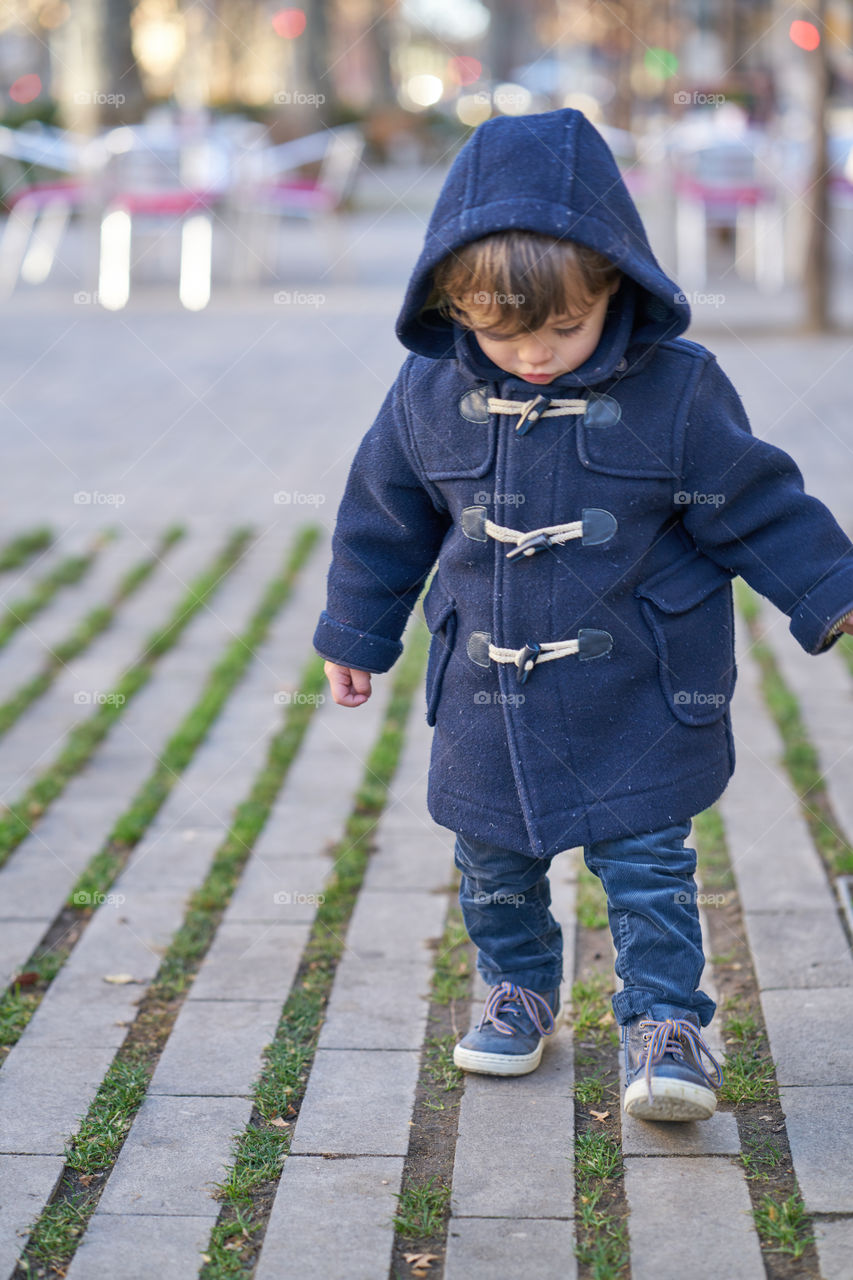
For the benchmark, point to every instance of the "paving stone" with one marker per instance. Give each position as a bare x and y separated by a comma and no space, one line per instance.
280,891
332,1219
701,1206
515,1145
799,949
803,1027
824,691
18,938
41,1106
250,962
139,1246
489,1248
713,1137
835,1248
84,1009
26,1184
176,1150
380,995
819,1121
358,1102
215,1048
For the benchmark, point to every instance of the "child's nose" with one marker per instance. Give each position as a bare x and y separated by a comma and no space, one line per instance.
532,351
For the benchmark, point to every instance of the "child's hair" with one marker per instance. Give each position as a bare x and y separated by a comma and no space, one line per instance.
512,281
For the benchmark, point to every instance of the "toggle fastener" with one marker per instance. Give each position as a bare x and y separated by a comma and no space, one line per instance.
539,542
531,413
526,660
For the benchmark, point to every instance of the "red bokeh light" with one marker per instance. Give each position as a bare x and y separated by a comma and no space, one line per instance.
804,34
289,23
463,70
25,88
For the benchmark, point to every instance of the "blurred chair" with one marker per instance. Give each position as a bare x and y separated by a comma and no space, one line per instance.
268,189
719,185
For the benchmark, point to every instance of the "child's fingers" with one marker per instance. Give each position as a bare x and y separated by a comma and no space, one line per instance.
350,688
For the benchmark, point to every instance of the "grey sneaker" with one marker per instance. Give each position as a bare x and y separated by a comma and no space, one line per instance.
664,1075
509,1037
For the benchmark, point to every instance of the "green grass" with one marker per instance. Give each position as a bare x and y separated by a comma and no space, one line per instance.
96,621
589,1090
19,1002
592,901
760,1156
15,823
99,1138
749,1074
602,1239
21,549
65,574
592,1012
710,837
799,755
783,1226
452,974
421,1210
287,1060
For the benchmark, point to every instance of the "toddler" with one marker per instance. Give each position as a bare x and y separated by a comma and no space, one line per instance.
588,481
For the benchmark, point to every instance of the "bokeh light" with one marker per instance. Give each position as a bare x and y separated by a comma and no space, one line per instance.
512,99
423,90
25,88
289,23
464,70
804,34
661,63
473,108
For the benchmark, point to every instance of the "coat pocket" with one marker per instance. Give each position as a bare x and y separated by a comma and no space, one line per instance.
688,608
440,616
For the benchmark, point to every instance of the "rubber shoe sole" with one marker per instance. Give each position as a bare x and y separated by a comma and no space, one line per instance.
671,1100
505,1064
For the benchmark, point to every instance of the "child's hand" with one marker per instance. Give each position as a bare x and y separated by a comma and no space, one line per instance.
350,687
848,627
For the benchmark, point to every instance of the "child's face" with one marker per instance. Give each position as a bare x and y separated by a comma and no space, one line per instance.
558,347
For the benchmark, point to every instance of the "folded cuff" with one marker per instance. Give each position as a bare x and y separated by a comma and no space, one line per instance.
348,647
819,609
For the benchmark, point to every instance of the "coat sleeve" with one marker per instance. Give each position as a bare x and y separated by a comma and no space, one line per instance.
386,540
745,506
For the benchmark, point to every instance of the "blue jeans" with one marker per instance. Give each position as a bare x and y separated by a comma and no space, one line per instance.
651,905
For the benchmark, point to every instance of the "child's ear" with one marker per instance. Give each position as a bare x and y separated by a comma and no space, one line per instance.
615,285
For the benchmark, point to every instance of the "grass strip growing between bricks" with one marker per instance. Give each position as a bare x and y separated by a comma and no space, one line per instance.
799,754
17,1006
95,621
749,1087
421,1219
601,1210
23,547
64,574
248,1192
92,1153
17,819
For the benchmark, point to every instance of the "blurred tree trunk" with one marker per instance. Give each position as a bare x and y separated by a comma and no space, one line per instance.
816,267
320,79
96,60
506,37
380,39
121,73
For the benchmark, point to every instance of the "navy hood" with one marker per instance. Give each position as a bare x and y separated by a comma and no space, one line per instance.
555,174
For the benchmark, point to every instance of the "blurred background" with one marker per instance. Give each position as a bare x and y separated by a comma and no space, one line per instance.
202,204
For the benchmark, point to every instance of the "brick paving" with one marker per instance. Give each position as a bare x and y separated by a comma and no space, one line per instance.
232,416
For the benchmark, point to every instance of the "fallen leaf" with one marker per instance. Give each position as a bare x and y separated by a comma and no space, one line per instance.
420,1262
600,1115
26,979
119,977
281,1124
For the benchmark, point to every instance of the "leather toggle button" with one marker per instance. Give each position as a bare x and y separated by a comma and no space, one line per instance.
602,411
529,547
531,413
474,405
528,654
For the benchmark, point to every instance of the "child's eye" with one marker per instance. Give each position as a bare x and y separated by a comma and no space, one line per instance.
566,333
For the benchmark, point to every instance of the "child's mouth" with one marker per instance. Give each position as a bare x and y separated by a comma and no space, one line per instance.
537,377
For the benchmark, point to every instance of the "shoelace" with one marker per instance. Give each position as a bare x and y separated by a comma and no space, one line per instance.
509,993
666,1038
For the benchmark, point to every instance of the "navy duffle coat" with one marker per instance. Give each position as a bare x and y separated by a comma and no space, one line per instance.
654,463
